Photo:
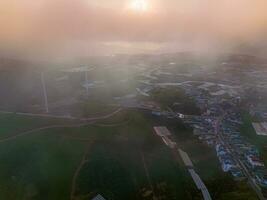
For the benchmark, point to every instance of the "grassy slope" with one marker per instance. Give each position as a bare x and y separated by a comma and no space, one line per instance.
39,166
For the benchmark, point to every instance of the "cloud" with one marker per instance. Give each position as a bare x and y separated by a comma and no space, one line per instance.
42,23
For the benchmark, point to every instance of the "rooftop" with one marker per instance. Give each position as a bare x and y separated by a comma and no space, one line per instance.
162,131
98,197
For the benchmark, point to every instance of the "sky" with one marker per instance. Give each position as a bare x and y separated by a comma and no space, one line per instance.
116,26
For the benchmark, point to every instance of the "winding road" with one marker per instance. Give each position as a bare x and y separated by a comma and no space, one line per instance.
88,122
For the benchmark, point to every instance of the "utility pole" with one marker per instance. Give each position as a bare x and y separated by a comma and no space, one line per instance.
44,92
86,83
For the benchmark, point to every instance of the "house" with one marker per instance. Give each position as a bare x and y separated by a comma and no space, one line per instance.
236,172
254,161
98,197
227,166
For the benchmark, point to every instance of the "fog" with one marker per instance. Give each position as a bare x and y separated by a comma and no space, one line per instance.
85,27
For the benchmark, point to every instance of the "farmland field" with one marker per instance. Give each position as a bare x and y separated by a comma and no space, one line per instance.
120,158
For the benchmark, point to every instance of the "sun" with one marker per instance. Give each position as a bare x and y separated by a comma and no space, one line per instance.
138,5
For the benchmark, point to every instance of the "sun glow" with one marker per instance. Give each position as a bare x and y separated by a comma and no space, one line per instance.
139,5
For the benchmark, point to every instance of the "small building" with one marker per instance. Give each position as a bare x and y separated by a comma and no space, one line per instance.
165,134
260,128
254,161
162,131
226,166
169,142
98,197
236,172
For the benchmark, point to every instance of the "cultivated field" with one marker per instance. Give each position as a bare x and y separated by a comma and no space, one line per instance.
120,158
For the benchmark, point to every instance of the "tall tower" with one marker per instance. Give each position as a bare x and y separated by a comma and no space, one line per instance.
44,92
86,83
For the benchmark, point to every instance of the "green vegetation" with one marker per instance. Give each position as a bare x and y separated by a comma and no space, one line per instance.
248,131
13,124
124,160
223,187
93,108
118,82
204,159
166,97
117,166
38,166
